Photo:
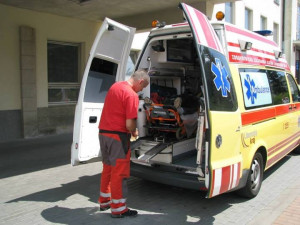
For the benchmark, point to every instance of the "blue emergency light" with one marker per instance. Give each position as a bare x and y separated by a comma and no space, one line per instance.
264,32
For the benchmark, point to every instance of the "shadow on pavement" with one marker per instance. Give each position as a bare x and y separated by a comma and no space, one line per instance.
159,203
24,156
277,165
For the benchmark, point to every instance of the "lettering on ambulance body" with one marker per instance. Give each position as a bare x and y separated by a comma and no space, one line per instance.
221,80
256,60
286,125
256,89
249,138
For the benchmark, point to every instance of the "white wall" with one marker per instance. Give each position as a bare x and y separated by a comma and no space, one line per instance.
47,27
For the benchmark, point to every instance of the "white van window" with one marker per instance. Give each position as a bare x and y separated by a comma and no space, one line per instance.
101,76
279,87
294,88
263,87
220,86
256,88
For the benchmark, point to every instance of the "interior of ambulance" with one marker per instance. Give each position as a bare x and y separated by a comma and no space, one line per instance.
171,109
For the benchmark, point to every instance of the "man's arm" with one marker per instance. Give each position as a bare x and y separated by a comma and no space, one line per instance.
131,126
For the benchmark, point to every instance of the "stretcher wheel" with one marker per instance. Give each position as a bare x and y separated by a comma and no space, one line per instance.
180,133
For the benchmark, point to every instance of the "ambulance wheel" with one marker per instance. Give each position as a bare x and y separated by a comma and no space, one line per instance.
254,179
180,134
297,150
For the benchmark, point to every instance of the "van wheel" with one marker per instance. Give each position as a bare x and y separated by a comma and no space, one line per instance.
297,150
254,179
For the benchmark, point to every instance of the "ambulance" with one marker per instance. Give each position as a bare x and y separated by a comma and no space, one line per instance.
222,105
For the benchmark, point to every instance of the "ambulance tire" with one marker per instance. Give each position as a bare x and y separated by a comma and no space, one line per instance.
297,150
254,179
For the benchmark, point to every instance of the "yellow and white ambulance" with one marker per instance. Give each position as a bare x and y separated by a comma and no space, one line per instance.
221,108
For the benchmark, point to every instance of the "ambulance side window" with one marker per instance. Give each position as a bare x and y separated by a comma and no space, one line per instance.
256,88
101,76
279,88
294,88
218,77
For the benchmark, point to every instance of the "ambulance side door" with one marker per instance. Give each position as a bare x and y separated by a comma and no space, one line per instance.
106,64
223,119
294,108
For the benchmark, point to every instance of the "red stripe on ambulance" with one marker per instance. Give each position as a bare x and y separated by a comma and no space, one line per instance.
237,45
225,178
204,32
280,145
249,34
257,116
281,154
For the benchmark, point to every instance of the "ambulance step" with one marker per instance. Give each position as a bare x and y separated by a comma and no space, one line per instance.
152,152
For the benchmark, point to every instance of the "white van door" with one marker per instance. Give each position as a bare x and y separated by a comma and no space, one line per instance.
106,64
223,119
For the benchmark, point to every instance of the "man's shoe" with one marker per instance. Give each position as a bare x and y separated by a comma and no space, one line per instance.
104,208
129,213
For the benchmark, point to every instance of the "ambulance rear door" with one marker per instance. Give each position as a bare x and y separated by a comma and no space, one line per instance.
223,120
106,64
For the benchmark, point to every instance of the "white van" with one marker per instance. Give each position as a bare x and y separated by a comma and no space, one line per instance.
221,107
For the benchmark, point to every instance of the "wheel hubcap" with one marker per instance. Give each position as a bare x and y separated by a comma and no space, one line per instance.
255,174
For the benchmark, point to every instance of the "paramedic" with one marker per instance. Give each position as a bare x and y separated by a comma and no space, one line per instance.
117,124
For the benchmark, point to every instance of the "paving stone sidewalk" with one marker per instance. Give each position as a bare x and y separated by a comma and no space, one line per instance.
39,186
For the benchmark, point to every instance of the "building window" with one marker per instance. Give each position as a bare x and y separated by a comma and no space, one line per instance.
298,22
248,19
63,72
229,12
276,33
263,23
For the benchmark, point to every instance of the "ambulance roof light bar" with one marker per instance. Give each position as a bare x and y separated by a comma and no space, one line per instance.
245,45
264,32
156,23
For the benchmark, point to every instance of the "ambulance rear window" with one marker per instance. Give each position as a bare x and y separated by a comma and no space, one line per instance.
221,91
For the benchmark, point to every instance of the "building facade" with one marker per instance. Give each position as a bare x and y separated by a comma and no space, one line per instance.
43,56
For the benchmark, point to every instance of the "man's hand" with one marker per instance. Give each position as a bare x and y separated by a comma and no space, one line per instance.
135,133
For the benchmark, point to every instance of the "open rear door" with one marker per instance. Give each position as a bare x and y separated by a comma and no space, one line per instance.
223,121
106,64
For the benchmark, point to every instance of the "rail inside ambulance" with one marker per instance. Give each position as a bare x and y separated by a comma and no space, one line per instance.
171,117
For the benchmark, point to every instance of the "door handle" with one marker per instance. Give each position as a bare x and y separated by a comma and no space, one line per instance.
93,119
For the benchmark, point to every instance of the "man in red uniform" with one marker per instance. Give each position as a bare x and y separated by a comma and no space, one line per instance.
117,124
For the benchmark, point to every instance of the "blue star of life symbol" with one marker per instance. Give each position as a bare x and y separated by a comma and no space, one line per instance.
250,85
221,74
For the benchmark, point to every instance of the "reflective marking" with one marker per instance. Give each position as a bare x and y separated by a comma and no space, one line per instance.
235,173
105,195
116,201
218,181
105,204
120,209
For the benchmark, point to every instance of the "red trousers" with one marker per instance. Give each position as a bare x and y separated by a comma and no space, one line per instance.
116,170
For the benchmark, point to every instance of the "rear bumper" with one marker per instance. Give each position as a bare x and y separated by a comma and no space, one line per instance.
164,175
